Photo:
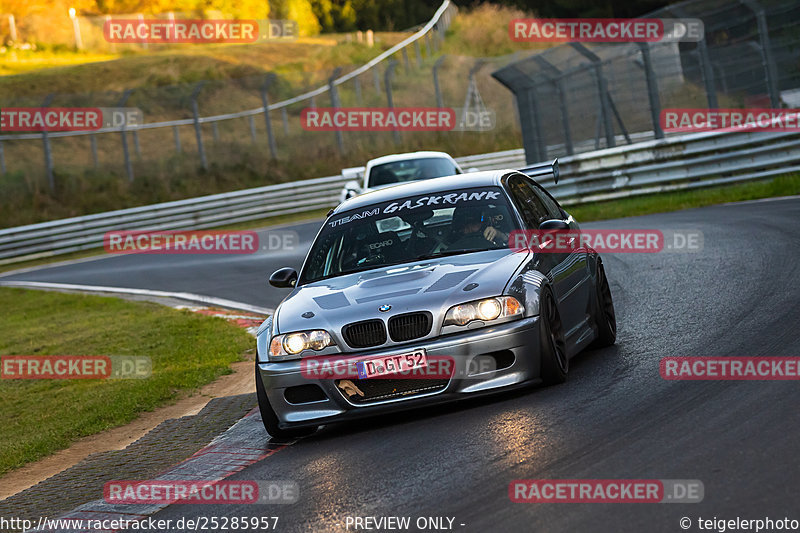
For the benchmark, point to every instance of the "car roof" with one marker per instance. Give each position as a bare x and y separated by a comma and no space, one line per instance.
432,185
404,157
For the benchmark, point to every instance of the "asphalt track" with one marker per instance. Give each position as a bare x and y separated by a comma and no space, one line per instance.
615,417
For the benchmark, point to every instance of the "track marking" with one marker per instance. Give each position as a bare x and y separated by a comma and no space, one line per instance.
186,296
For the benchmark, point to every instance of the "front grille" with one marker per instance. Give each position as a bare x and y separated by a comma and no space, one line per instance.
410,326
386,389
365,334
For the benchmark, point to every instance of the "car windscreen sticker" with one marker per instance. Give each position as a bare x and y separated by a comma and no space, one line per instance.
440,200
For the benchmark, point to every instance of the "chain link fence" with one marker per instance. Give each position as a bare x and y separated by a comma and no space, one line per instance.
577,97
236,121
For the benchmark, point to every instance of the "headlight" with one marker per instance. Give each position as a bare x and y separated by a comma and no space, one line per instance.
485,310
289,345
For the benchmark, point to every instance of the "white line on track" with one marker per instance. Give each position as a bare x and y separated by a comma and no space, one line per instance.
186,296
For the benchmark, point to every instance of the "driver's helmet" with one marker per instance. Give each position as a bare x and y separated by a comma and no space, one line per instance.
466,215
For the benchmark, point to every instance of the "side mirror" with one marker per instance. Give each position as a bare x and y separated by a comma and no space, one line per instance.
284,278
554,225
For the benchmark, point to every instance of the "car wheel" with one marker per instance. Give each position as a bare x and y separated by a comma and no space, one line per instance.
606,318
552,348
270,419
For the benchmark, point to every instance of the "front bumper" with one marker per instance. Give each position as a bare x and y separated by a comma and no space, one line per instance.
520,338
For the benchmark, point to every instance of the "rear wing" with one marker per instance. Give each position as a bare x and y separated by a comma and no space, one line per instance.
542,170
354,173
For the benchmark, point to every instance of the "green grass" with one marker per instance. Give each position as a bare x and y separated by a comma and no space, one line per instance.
787,185
42,416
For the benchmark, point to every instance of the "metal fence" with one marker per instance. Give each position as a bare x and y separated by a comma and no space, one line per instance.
189,128
678,162
577,93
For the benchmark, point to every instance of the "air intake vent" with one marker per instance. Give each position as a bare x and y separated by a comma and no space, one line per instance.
410,326
365,334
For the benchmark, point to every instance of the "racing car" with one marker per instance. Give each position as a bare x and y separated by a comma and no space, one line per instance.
398,168
421,274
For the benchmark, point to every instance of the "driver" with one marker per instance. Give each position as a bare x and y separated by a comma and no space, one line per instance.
468,229
495,223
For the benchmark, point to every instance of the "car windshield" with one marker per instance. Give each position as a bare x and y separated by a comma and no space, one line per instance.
410,170
409,229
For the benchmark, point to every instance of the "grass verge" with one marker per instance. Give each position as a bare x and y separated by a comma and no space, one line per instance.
188,350
786,185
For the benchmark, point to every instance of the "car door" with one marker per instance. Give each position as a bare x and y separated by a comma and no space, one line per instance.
559,267
578,279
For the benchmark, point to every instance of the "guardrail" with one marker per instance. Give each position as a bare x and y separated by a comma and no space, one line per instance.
677,162
441,15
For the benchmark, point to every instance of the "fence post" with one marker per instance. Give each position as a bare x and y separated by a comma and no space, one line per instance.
376,78
335,104
357,86
406,64
125,152
251,121
652,90
602,90
273,149
436,88
93,142
215,132
706,69
12,28
285,120
555,77
541,144
418,53
708,74
767,59
48,154
177,137
76,28
197,132
389,101
428,50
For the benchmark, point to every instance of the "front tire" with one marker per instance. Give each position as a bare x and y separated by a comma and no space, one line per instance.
606,318
552,347
270,419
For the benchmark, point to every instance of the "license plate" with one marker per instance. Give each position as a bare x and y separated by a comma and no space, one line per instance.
391,364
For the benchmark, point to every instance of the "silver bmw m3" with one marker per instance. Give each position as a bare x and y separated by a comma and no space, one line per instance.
417,294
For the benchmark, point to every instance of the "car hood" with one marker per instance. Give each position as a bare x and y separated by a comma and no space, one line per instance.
430,285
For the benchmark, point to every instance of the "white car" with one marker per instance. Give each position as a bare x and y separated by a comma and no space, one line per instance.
398,168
